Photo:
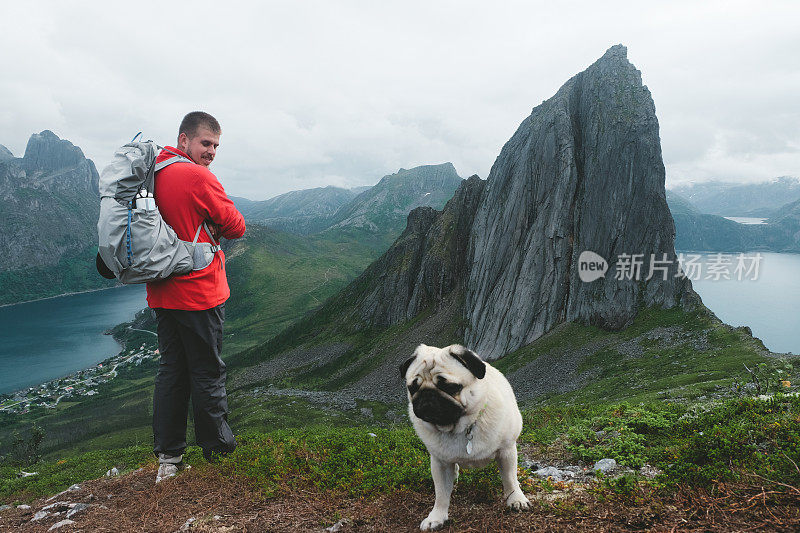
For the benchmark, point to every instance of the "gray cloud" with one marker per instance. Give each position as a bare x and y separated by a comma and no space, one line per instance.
318,93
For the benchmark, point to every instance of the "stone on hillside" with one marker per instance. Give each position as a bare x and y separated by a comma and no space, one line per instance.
188,524
61,524
39,515
23,507
550,472
605,465
113,472
5,507
335,528
78,507
530,465
649,471
57,506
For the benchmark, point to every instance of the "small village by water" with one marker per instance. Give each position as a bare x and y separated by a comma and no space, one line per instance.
83,383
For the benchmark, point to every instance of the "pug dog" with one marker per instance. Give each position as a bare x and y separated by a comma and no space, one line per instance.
465,412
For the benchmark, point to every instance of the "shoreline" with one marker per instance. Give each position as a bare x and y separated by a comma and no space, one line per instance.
62,295
122,345
119,342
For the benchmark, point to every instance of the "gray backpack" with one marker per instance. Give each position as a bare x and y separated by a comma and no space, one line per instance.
135,244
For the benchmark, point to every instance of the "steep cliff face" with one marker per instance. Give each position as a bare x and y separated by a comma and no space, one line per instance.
50,204
582,173
426,263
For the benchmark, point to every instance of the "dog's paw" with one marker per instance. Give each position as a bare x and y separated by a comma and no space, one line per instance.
517,501
434,521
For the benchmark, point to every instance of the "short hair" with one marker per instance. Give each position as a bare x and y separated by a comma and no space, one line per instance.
194,120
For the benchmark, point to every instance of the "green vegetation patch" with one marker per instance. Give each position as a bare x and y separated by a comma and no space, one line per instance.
56,475
699,445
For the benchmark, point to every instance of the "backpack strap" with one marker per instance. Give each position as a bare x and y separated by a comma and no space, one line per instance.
168,162
215,244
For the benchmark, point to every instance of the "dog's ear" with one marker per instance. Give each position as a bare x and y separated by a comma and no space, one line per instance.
406,364
469,359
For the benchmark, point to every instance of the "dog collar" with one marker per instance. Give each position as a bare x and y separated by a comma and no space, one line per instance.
471,428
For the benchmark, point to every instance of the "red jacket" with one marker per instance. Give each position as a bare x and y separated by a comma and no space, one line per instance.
187,194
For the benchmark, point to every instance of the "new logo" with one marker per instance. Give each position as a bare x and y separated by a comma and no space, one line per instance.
591,266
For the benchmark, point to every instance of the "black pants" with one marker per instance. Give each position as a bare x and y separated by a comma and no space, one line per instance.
190,343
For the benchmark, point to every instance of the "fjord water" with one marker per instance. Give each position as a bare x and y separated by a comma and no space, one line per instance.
770,305
48,339
51,338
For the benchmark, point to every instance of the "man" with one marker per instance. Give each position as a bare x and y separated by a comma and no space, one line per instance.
191,308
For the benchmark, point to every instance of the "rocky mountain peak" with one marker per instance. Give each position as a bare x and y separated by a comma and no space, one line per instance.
419,178
582,173
427,262
49,218
5,153
46,152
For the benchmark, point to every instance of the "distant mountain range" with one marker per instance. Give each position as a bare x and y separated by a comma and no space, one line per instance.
48,216
699,231
376,213
301,212
728,199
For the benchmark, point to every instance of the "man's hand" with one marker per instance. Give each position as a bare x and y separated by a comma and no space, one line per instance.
216,230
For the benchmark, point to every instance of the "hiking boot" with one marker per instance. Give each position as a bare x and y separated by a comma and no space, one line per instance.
169,466
166,470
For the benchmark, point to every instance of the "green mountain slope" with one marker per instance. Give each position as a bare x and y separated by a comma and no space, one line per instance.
277,277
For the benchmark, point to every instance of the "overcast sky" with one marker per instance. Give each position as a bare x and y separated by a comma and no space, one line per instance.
342,93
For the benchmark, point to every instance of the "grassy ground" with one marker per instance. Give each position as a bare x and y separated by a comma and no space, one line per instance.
716,457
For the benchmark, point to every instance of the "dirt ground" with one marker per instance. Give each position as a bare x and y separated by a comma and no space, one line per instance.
133,503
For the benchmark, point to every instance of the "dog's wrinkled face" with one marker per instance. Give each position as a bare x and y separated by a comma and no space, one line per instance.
439,382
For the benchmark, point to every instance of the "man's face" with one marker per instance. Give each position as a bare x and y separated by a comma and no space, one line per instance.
201,147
